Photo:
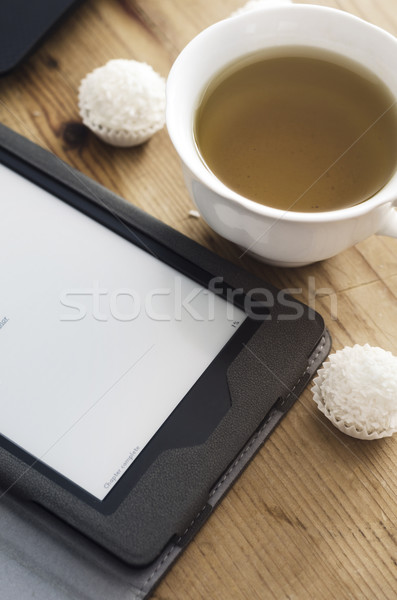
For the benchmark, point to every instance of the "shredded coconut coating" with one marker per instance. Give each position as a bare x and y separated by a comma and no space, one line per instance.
357,390
123,102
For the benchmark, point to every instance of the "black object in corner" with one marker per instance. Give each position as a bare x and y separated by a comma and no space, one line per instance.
22,25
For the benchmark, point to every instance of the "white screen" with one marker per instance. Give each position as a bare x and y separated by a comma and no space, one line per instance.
99,340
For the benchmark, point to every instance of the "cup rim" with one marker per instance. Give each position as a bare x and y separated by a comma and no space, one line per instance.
200,170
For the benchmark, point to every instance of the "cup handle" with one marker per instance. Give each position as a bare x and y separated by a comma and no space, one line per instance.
390,226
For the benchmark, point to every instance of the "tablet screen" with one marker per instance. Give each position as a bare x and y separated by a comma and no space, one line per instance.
99,339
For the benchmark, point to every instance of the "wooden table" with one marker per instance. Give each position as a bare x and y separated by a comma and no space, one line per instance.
314,515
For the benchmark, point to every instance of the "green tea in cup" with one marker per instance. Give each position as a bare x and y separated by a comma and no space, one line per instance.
299,129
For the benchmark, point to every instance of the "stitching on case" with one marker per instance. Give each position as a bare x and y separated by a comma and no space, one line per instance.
241,456
236,462
192,522
312,360
247,448
172,548
158,567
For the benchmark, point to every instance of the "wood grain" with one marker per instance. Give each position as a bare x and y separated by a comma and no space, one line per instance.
314,515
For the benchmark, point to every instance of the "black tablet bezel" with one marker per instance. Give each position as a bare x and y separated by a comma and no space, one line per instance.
196,415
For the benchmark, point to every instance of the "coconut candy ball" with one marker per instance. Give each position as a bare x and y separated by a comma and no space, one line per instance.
123,102
357,391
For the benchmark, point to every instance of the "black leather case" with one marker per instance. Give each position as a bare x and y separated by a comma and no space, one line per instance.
180,489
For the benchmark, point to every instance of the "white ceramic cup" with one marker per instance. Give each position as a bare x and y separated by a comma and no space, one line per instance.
272,235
